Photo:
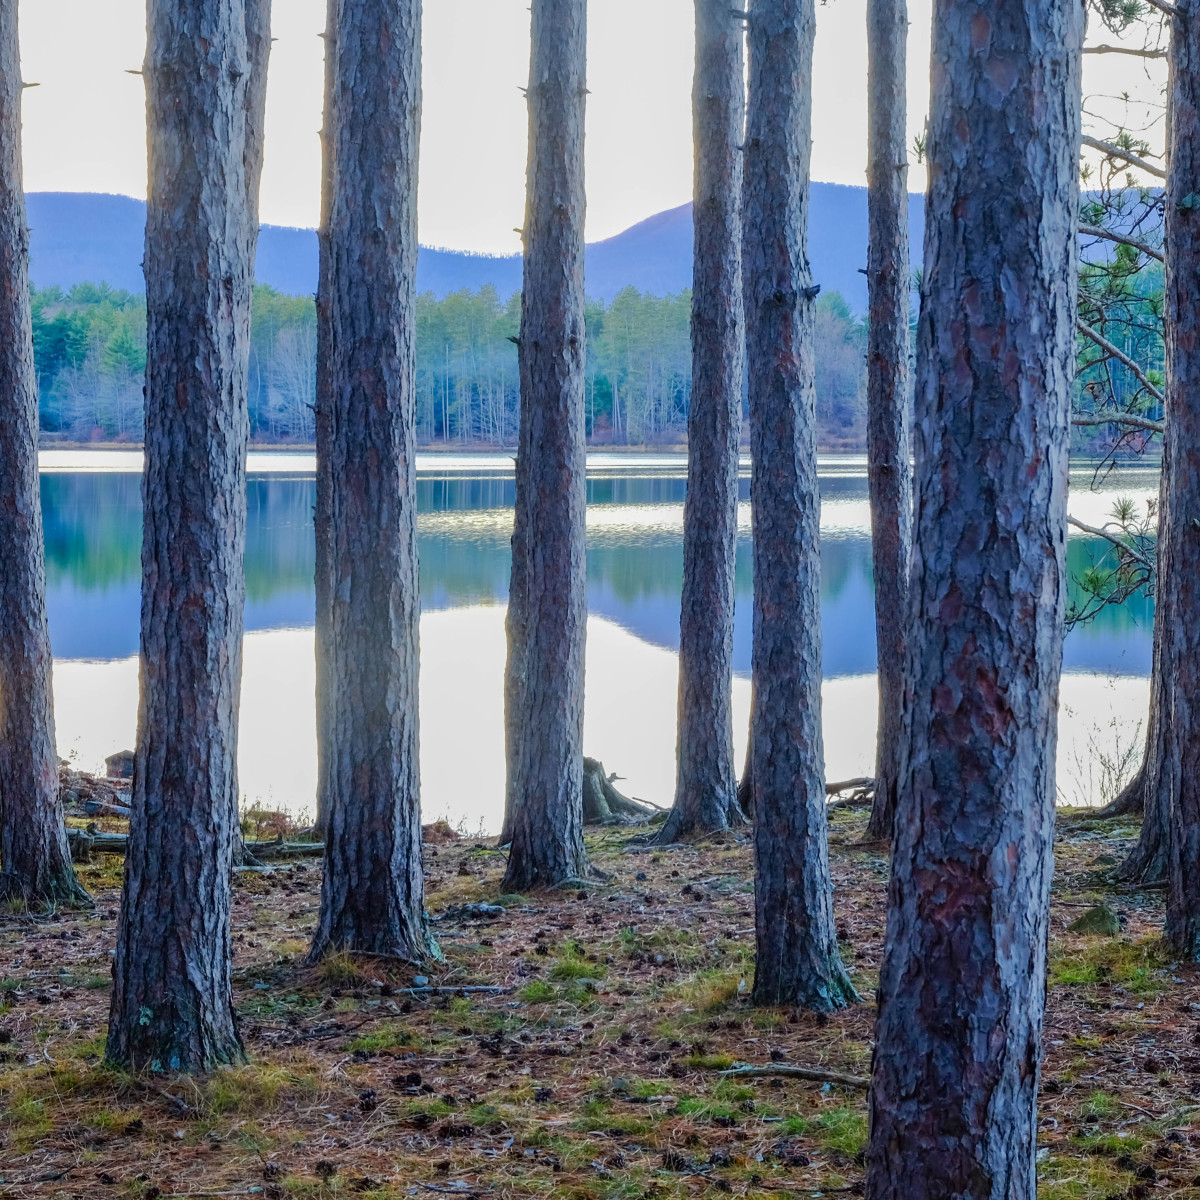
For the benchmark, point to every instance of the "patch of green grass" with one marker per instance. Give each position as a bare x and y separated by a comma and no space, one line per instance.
1069,1178
385,1037
537,992
843,1130
1102,1106
252,1089
709,1062
29,1121
1135,966
340,970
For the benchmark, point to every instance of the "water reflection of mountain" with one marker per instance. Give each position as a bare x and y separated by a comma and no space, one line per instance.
635,563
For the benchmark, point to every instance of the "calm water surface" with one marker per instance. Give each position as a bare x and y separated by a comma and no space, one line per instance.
92,512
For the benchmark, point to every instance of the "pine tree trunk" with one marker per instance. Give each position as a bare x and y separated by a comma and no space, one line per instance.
797,960
889,469
706,785
1179,530
35,861
372,899
258,55
323,432
547,621
172,1004
962,987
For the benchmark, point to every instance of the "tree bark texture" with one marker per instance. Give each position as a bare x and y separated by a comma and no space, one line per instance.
706,783
547,622
323,431
372,899
258,55
962,988
889,469
35,861
172,1005
797,954
1179,529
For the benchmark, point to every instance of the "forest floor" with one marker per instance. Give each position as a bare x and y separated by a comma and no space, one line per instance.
596,1071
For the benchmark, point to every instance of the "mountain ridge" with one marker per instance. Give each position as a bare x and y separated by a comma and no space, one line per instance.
79,237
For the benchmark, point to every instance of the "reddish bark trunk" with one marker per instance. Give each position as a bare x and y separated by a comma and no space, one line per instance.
962,987
172,1004
35,861
547,618
797,960
1179,529
323,431
889,469
706,785
372,899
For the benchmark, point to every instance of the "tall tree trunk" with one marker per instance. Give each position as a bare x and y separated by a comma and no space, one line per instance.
889,470
372,899
172,1005
547,622
1179,581
706,785
258,55
962,987
797,957
323,432
35,862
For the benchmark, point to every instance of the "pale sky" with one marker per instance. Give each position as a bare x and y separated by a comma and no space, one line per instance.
85,124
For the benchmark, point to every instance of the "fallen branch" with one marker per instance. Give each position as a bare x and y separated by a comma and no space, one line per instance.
450,991
787,1071
84,844
850,785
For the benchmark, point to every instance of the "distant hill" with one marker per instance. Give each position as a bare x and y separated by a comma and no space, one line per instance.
85,236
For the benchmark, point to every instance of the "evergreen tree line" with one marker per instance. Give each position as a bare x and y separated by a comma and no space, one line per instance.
90,353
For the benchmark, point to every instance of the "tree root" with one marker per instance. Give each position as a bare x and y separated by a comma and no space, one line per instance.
604,805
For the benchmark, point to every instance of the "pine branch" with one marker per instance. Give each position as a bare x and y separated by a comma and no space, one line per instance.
1128,156
1122,239
1125,50
1121,357
1115,417
1125,547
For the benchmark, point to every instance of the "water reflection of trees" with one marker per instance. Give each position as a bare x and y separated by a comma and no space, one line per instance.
93,542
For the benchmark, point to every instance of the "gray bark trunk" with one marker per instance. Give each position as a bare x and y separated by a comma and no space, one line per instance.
172,1005
797,954
372,899
1179,533
889,469
706,785
35,861
258,56
962,987
547,622
323,430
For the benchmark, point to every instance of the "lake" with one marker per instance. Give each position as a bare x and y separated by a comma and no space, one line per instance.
92,511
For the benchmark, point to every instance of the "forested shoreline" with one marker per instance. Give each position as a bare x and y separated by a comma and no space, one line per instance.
89,351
